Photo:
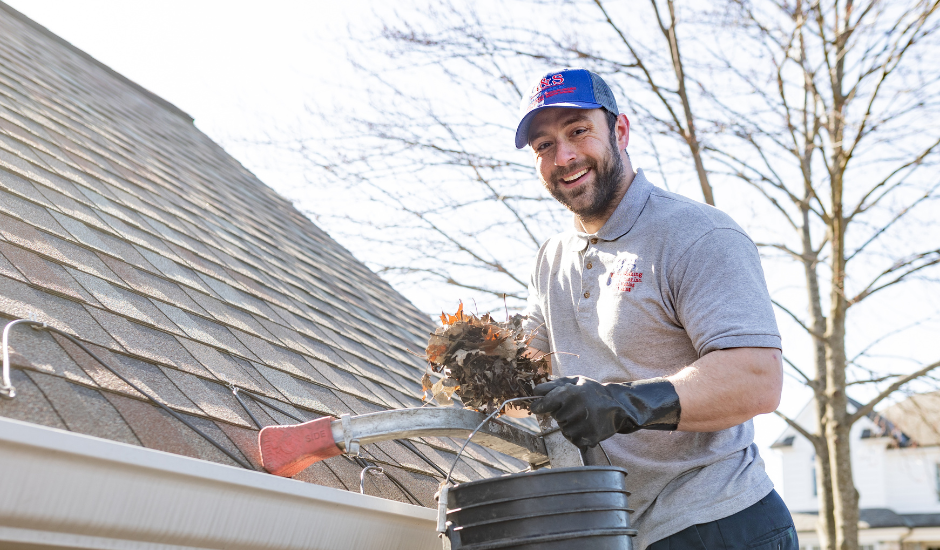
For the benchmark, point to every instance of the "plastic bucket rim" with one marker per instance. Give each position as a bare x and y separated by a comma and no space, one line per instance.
471,490
510,499
541,472
527,516
515,541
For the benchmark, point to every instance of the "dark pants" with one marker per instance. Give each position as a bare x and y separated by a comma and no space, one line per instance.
766,525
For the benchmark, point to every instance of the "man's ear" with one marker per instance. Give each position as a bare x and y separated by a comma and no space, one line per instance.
623,132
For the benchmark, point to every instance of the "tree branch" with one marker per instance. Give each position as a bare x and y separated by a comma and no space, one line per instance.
814,439
870,406
804,326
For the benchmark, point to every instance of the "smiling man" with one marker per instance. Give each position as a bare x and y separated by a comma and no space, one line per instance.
669,341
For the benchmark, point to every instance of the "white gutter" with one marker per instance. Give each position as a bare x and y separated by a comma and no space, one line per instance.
924,534
64,490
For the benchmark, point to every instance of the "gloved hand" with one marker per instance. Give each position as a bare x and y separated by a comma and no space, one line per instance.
589,412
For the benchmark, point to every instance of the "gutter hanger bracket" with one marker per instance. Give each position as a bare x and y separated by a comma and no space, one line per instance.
350,445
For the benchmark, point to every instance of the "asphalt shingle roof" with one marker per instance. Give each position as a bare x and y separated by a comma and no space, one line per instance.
919,417
126,227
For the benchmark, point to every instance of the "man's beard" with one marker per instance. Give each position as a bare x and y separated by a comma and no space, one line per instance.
608,176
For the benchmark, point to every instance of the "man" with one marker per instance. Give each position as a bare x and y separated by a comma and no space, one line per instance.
668,338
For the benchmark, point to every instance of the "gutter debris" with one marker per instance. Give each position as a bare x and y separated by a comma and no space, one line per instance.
483,362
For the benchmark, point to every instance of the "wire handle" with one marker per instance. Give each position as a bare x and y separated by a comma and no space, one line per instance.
444,487
474,432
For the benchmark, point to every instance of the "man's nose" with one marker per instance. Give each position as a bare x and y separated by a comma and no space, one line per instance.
564,153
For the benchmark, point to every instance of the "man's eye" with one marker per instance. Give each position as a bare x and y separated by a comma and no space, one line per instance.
543,146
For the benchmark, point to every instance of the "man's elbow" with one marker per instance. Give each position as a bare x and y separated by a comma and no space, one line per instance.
768,402
769,371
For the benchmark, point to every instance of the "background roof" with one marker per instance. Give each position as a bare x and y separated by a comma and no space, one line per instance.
919,417
872,518
125,226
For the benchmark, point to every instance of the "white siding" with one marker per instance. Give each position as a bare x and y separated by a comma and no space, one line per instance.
799,489
904,480
797,464
868,466
913,480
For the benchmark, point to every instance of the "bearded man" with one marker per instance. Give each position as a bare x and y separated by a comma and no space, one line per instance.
670,344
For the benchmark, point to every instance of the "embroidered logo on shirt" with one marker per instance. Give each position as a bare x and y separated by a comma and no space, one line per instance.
624,276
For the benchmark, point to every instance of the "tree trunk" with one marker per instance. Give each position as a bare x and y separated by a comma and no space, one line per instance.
837,425
837,418
844,495
825,526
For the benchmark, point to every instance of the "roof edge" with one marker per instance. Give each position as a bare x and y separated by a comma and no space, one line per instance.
116,496
889,429
157,99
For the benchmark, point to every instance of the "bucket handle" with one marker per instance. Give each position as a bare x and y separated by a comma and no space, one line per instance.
442,493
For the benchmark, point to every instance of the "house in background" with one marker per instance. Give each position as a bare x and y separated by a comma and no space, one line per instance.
896,468
124,226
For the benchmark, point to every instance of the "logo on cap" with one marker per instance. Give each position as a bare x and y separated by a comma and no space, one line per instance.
545,89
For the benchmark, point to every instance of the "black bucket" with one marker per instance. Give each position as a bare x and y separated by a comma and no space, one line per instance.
550,509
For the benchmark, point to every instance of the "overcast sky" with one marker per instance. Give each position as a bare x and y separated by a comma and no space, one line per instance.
227,64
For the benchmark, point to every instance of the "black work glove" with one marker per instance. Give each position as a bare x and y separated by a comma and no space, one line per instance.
589,412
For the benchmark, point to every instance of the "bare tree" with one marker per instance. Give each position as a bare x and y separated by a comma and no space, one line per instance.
819,112
835,138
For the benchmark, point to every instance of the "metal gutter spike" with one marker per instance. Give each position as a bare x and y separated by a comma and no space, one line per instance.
286,450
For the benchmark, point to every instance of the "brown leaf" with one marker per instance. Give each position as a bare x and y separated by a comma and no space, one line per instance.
483,361
437,347
443,391
451,319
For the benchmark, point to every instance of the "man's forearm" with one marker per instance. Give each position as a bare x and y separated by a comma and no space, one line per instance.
727,387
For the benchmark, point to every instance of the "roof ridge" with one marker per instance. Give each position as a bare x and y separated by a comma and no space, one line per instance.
137,87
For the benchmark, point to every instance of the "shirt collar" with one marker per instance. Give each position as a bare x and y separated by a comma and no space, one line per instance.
623,218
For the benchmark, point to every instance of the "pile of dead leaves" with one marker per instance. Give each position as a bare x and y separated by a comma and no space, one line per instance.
483,361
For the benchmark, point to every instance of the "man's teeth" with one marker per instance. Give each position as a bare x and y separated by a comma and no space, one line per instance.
570,179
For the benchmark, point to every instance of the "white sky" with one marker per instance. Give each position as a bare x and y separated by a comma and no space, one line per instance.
242,72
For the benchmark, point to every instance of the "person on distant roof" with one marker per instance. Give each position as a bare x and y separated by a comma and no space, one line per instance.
669,341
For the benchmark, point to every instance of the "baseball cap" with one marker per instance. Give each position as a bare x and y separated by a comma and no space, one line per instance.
573,88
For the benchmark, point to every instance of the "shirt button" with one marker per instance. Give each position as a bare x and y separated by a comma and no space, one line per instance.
594,240
589,265
587,294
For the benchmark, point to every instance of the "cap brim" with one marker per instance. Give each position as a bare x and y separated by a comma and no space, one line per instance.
522,131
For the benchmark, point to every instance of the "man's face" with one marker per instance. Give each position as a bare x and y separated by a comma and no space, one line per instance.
576,159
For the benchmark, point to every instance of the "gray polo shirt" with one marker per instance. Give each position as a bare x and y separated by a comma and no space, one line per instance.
664,282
